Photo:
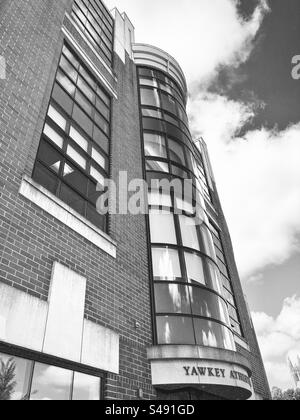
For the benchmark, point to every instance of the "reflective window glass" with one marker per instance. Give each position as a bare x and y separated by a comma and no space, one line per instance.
166,264
176,152
86,388
175,330
189,232
156,198
172,298
15,376
208,242
150,97
54,136
51,383
211,334
208,305
57,117
76,156
162,227
194,267
155,145
157,166
78,138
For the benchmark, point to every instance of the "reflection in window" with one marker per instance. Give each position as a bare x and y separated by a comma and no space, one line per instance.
194,266
51,383
172,298
177,152
86,388
162,227
150,97
14,378
155,145
166,264
189,232
208,305
155,198
175,330
157,166
212,334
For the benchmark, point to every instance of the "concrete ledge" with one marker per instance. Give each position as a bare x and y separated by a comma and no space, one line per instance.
198,353
66,215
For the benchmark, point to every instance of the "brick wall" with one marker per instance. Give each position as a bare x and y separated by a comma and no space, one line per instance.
31,240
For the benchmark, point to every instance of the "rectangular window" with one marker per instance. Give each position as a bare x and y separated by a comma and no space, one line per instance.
23,380
162,227
96,23
73,154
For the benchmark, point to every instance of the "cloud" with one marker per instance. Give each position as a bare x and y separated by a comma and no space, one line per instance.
213,28
279,338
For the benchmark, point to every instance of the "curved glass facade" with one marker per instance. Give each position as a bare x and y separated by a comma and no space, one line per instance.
189,305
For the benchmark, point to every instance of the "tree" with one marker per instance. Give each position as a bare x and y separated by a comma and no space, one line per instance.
297,394
277,394
289,395
7,379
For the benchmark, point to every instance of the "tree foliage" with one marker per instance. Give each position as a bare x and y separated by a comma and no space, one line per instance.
288,395
7,379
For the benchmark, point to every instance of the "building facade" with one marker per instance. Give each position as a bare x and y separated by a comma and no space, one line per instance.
120,305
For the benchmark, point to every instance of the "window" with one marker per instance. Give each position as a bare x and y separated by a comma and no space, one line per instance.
97,24
166,264
175,330
189,232
31,380
155,145
73,154
162,227
195,270
212,334
172,298
177,152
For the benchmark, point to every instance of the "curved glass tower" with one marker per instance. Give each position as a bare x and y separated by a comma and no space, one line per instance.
192,314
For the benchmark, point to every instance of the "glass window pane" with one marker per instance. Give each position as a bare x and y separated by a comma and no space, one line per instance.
162,227
102,108
194,267
180,172
211,334
155,145
72,199
83,102
207,304
65,82
83,120
154,113
78,138
166,264
101,139
156,198
208,242
57,117
84,87
45,178
214,280
76,156
75,178
54,136
86,388
101,122
99,158
49,156
172,298
97,176
70,57
68,68
168,103
175,330
189,232
157,166
176,152
150,97
63,99
14,378
51,383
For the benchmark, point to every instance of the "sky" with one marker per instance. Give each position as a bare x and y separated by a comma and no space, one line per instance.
237,57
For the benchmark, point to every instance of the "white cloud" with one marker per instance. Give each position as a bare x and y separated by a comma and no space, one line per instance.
279,338
258,177
212,28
